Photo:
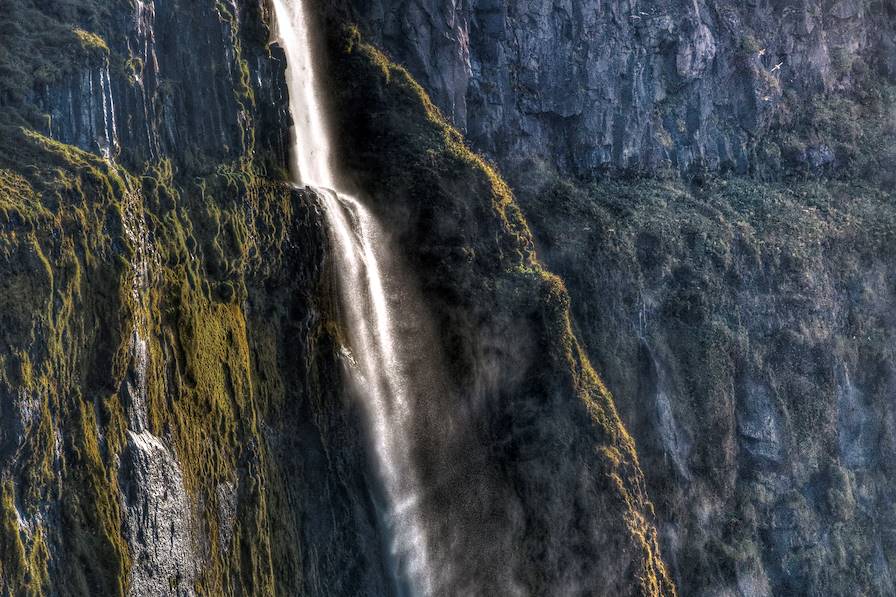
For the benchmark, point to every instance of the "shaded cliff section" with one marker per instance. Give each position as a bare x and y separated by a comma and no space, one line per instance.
596,87
171,418
747,331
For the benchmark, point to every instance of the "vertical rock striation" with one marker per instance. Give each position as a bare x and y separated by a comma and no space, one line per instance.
596,86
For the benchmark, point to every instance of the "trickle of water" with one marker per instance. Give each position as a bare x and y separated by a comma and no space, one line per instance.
360,249
136,383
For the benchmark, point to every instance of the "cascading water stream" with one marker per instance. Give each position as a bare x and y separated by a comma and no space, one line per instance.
360,249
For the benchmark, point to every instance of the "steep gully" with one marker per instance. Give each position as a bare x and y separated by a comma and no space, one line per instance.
380,314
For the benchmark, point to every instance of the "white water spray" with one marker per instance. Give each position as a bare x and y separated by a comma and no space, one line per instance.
360,247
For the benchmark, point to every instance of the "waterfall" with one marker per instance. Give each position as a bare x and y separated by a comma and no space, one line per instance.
371,296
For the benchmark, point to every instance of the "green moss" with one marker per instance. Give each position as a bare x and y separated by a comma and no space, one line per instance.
246,91
23,556
70,208
72,234
707,273
432,136
855,128
98,558
70,228
91,41
749,45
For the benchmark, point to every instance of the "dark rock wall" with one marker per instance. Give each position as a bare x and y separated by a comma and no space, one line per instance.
747,332
529,481
744,326
193,86
173,415
591,86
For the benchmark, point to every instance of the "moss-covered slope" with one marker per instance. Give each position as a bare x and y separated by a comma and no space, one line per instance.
748,330
113,322
170,413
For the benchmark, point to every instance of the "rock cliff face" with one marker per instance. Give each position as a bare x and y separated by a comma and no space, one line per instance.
173,418
532,483
747,332
592,86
